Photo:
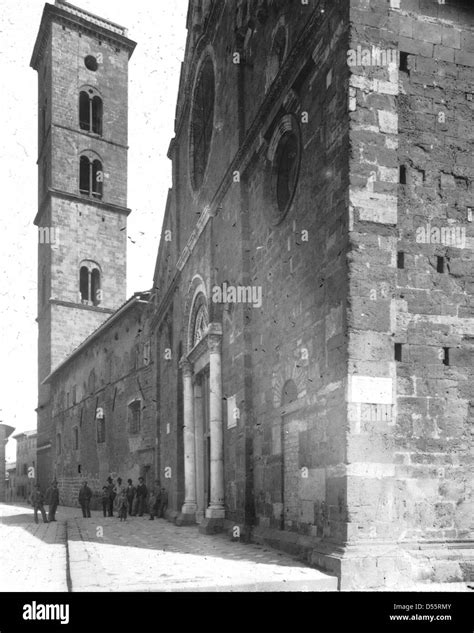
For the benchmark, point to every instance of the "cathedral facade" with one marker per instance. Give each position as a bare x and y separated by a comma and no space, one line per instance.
308,380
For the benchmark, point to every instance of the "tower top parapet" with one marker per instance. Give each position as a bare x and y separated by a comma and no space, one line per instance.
82,20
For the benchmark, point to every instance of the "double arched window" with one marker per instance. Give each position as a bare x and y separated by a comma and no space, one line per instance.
91,176
90,283
90,111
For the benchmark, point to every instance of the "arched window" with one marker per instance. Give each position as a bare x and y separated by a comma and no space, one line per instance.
90,112
89,284
58,444
287,170
289,392
76,438
97,115
84,283
96,294
134,417
277,55
91,177
202,121
97,179
84,175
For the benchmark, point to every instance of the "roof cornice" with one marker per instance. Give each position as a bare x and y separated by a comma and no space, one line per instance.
136,300
83,21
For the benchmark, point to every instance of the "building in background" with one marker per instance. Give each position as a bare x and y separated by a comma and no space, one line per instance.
26,464
10,482
5,432
104,407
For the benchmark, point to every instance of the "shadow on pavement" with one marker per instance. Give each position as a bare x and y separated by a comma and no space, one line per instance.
140,533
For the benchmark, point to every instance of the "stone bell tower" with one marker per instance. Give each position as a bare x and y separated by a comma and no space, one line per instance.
82,64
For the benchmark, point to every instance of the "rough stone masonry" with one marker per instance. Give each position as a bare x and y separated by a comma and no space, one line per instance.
331,418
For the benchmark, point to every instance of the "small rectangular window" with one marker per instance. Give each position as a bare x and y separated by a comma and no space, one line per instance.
404,62
398,352
400,259
446,356
403,175
440,264
134,417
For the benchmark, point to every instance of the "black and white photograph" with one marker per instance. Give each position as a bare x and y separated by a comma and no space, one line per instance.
237,315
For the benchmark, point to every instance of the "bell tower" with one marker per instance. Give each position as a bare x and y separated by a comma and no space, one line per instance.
82,64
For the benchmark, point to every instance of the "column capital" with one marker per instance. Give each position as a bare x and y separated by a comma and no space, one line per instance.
214,337
186,366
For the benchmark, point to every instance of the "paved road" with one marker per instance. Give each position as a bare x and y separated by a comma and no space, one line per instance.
138,555
32,557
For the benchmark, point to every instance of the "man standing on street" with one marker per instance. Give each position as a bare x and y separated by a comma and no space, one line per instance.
37,501
131,490
142,493
154,500
163,505
85,494
112,494
53,500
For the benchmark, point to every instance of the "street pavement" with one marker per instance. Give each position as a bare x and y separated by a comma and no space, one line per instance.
104,554
32,557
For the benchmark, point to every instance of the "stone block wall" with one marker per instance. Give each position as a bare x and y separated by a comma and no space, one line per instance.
115,369
410,332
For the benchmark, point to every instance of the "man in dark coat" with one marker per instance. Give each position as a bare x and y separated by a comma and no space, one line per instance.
142,493
112,494
154,500
85,495
53,500
130,492
37,501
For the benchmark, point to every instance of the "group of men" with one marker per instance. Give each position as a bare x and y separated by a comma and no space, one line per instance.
52,499
127,500
134,500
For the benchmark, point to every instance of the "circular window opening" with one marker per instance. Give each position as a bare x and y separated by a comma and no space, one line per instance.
91,63
202,122
287,165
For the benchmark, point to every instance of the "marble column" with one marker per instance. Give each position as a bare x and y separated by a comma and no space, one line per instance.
216,508
199,447
188,511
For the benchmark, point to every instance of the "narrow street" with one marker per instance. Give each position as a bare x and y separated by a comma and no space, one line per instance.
104,554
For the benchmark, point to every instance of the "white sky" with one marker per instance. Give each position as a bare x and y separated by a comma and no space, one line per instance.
159,29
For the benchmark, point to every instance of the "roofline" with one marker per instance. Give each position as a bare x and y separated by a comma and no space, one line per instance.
135,299
26,434
81,19
9,429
